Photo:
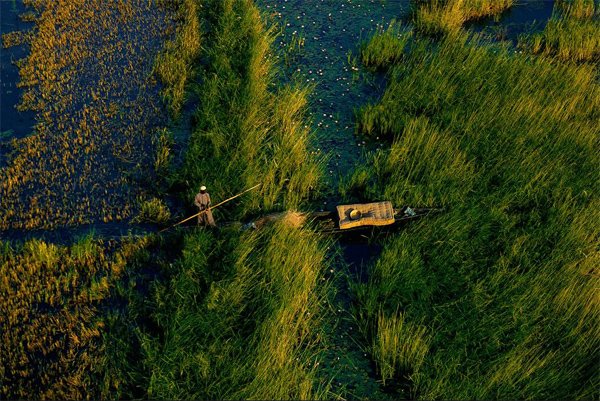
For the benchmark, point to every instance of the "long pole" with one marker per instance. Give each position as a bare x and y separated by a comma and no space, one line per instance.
214,207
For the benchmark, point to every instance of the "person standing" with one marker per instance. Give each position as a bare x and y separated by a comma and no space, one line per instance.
202,201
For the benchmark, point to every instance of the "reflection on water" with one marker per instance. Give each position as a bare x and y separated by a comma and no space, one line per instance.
12,123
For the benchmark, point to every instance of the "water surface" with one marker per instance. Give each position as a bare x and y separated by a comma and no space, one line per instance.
332,31
524,17
13,124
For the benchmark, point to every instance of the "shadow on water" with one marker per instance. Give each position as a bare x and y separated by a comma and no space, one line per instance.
359,253
13,124
69,235
525,17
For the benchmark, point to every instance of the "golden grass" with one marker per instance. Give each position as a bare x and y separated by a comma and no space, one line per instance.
504,278
247,132
152,210
50,299
571,35
448,16
400,346
87,78
174,65
386,47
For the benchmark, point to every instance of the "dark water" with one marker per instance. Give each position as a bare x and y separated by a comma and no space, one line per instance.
332,31
12,123
526,16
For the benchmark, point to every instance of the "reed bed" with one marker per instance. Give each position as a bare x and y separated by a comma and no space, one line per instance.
399,347
581,9
503,281
174,65
239,320
386,47
247,131
51,299
87,77
239,314
572,34
442,17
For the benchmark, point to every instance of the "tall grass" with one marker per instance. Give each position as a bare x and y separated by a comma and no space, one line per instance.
386,47
504,279
572,34
51,300
174,65
246,131
438,17
398,346
240,317
581,9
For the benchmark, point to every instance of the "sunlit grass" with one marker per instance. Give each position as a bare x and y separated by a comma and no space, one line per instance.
572,34
386,47
174,65
152,211
240,320
508,143
50,301
399,346
247,132
436,17
86,77
581,9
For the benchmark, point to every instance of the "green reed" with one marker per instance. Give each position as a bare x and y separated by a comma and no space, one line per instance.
503,280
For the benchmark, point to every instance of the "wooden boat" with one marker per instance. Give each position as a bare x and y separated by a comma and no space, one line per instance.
349,218
358,217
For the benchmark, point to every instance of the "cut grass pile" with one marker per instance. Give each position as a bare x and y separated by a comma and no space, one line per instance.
88,77
572,34
504,281
247,131
442,17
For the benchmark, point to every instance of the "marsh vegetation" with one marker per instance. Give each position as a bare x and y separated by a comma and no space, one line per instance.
90,142
493,299
508,143
441,17
571,33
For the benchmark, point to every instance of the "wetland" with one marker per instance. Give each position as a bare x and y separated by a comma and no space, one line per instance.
113,113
